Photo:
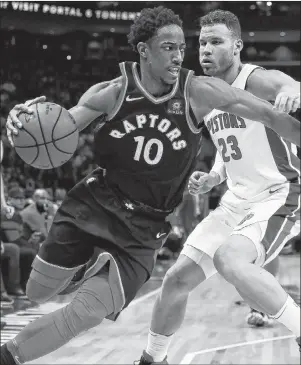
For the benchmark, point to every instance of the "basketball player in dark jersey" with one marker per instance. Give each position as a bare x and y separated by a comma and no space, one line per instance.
105,235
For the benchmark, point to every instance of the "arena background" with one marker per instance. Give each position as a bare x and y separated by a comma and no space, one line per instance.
60,48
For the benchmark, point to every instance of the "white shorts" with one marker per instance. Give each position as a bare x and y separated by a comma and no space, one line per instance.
269,221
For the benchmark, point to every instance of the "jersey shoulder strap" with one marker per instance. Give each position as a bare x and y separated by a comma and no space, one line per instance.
123,91
242,77
127,69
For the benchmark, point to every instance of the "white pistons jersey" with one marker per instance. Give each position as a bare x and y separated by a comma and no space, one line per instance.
256,158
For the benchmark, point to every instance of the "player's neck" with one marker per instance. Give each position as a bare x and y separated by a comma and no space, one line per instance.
152,84
232,72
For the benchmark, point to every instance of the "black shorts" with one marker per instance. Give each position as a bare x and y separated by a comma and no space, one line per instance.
95,224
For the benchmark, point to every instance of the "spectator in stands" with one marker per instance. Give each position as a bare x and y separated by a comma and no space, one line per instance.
11,252
59,196
12,231
37,215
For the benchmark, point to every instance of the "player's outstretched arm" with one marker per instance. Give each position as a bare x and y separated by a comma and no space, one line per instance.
277,87
99,99
212,93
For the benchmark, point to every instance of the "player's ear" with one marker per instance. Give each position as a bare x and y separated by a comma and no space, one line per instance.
142,49
238,46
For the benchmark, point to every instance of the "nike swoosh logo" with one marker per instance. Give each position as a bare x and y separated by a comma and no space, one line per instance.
128,98
160,235
272,191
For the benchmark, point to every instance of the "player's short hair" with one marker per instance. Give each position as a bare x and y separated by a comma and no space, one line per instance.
222,17
149,21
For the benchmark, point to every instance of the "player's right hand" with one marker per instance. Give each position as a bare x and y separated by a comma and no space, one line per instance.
200,183
13,124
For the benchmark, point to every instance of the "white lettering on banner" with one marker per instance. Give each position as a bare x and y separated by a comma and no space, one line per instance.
88,13
51,9
24,6
3,4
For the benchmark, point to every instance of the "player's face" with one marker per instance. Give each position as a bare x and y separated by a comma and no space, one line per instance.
166,53
216,52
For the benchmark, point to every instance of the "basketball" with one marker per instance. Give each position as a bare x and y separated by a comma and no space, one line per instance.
48,138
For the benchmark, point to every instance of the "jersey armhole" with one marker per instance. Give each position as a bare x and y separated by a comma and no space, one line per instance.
121,94
255,68
191,125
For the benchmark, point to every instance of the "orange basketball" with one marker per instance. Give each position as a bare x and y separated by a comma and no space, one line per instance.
48,138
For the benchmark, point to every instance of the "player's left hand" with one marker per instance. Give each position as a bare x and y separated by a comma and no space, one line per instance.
201,183
287,102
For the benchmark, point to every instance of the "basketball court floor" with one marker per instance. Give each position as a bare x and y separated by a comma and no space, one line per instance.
214,332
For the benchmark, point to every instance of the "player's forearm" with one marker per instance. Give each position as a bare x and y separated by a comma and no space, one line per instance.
81,118
218,171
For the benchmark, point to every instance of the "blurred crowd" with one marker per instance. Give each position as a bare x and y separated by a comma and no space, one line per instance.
21,235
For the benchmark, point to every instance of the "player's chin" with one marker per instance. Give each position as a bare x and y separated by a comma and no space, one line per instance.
170,78
208,69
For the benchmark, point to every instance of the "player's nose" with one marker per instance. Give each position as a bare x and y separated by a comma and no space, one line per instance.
207,50
177,57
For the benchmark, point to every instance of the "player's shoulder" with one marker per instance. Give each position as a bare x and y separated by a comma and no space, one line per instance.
264,83
112,88
261,76
118,81
257,76
116,84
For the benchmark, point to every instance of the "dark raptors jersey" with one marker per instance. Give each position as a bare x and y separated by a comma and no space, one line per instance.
149,144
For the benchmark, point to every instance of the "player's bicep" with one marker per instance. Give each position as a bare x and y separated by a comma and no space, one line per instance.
95,105
96,88
267,84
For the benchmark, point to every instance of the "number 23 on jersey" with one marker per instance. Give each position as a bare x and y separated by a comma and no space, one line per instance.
230,148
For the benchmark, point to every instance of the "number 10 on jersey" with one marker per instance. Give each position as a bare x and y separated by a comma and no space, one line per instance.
144,150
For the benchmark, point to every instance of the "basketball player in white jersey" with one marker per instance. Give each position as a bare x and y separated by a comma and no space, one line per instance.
260,210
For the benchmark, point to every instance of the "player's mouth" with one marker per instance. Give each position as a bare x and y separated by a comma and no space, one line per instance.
174,71
206,62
